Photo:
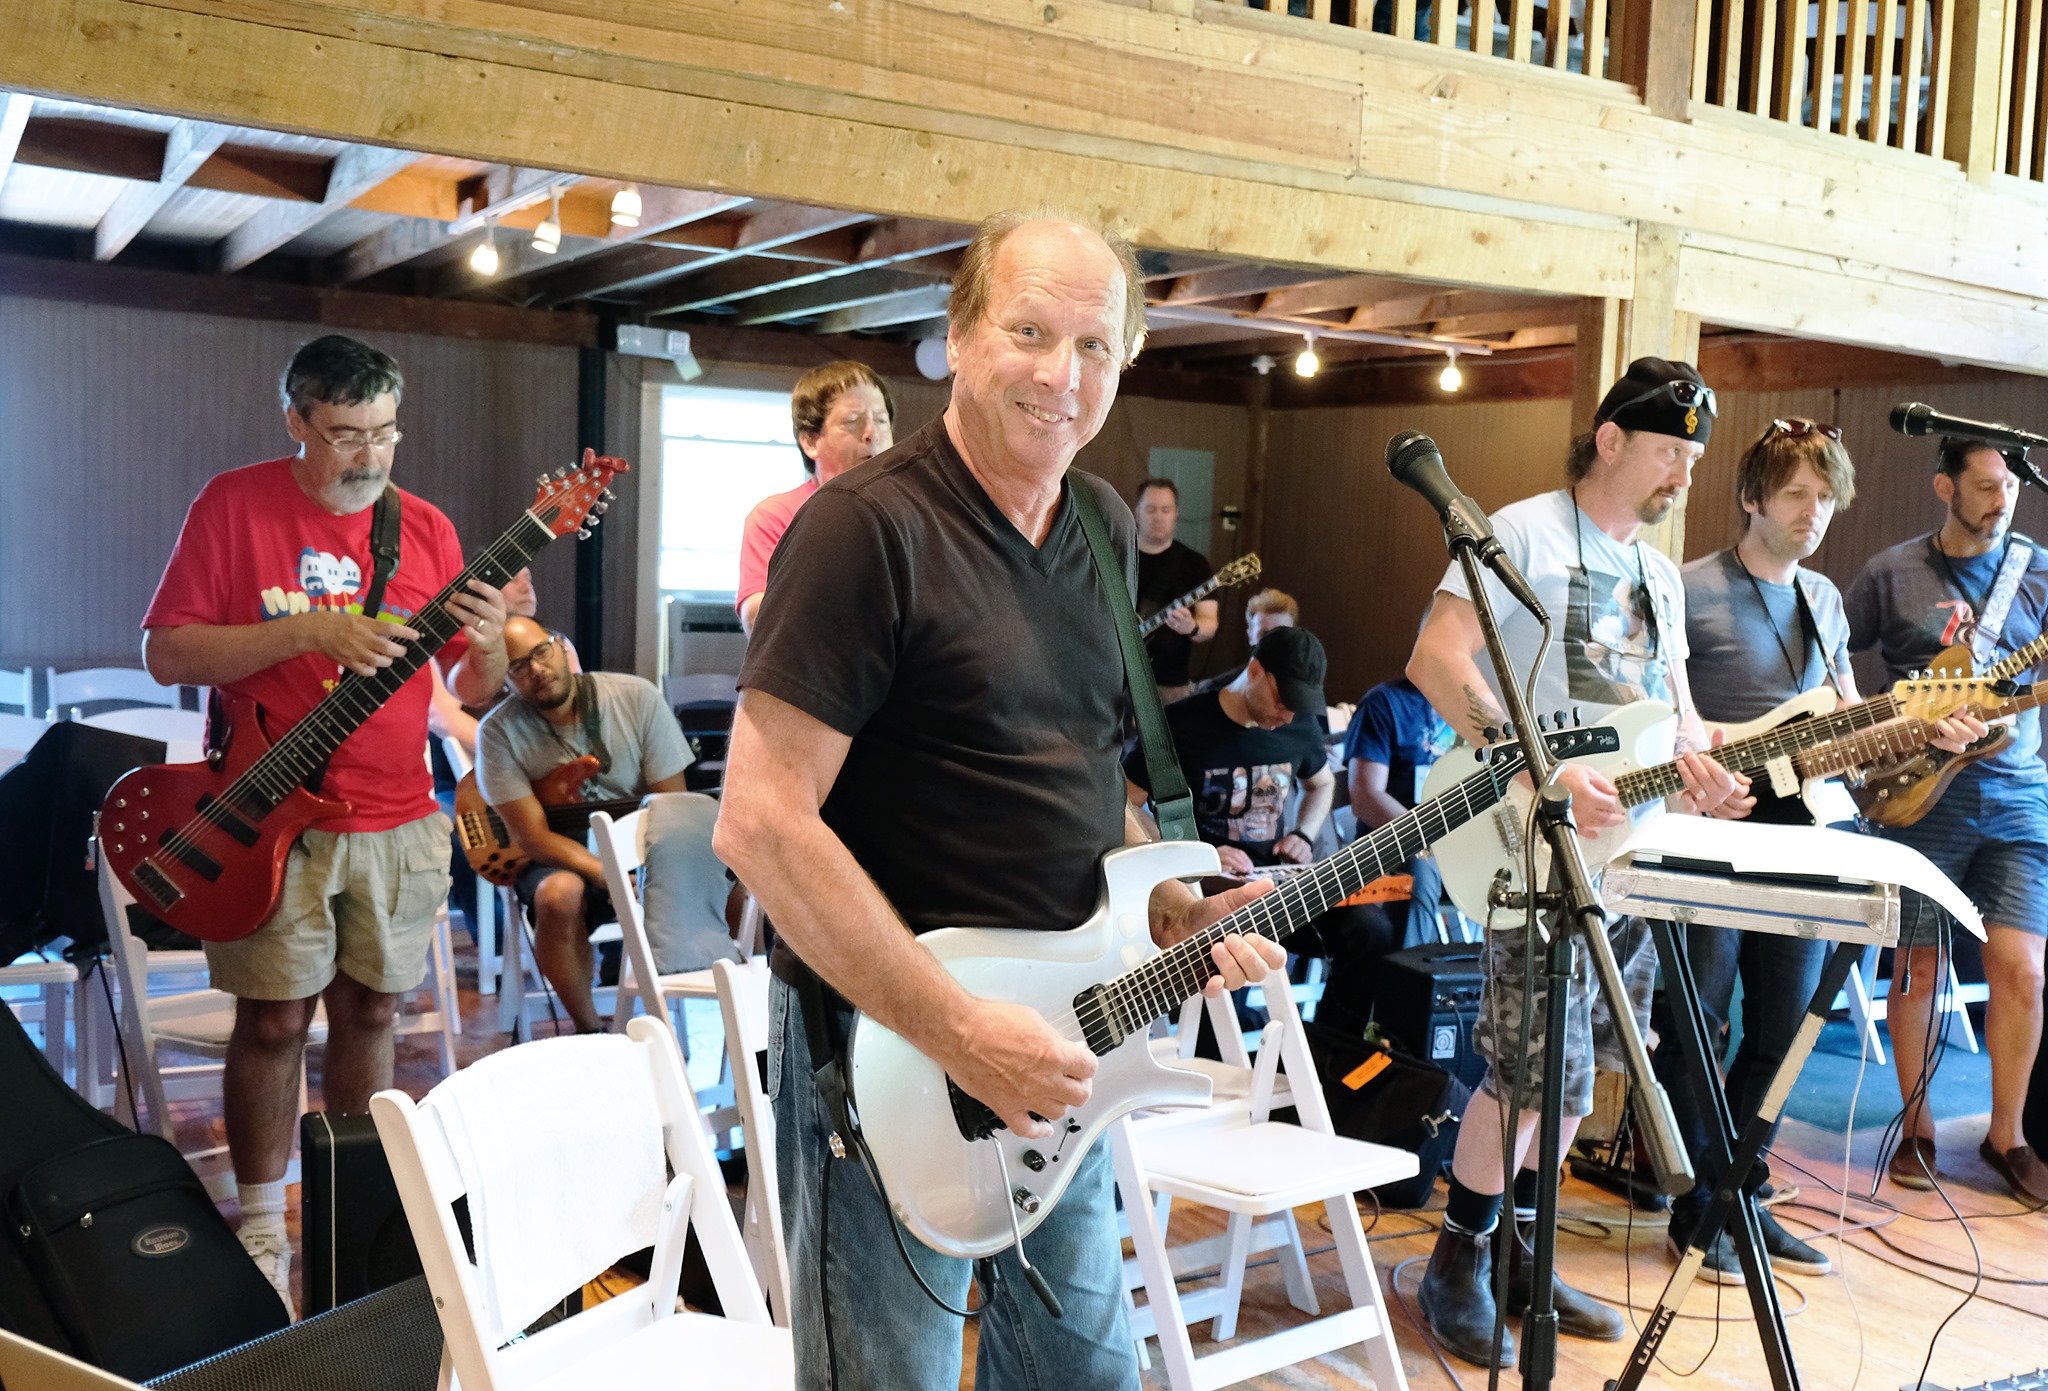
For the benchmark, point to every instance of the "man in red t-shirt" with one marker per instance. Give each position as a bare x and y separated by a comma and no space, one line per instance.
262,599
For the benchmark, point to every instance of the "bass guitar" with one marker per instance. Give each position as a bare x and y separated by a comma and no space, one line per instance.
1900,792
488,846
202,845
1643,771
1242,570
950,1170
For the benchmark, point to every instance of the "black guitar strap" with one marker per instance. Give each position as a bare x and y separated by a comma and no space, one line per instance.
383,549
1173,805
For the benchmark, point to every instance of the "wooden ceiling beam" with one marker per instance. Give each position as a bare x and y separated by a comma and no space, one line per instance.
620,270
840,292
908,308
1338,292
457,203
191,145
1230,282
359,168
663,211
91,147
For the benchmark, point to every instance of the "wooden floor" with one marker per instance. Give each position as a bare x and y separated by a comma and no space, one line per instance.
1901,1295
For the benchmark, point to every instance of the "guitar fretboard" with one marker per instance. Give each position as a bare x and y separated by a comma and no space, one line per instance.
1144,993
311,741
1755,753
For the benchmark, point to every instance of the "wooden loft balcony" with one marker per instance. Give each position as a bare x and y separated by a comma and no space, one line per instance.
1663,186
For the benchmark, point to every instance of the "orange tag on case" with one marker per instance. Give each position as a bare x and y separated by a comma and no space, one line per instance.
1366,1071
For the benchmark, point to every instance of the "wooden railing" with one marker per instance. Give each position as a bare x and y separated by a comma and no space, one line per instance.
2022,136
1566,35
1873,70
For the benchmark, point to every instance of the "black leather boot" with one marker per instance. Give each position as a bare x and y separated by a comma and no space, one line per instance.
1457,1299
1579,1315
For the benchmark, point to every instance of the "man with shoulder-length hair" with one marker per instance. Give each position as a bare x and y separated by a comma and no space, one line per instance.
928,736
1977,583
842,416
263,599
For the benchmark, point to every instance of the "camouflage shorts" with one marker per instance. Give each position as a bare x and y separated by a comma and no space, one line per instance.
1589,1024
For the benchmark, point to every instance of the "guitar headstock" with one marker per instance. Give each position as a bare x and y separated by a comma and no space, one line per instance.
1564,741
1242,570
1938,693
573,501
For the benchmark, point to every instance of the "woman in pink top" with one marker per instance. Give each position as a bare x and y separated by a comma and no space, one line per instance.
842,416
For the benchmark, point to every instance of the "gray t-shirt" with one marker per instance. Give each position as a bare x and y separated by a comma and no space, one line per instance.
1910,602
1746,635
516,744
1619,611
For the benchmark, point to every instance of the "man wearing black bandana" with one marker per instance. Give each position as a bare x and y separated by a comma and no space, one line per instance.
1622,613
1978,583
559,716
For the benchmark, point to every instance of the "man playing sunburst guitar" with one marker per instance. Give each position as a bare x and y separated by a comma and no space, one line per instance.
928,738
1979,584
1168,569
264,598
559,716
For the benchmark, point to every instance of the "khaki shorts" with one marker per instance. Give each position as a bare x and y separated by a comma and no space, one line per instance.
359,901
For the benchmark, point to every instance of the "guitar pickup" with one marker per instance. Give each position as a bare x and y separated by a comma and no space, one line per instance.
1102,1026
156,885
216,811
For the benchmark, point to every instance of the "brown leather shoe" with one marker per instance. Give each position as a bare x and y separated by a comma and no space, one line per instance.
2022,1170
1912,1163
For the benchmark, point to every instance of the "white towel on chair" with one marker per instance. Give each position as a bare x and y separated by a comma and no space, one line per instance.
559,1146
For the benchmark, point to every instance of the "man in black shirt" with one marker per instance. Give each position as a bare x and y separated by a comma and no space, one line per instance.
1244,750
1167,570
932,714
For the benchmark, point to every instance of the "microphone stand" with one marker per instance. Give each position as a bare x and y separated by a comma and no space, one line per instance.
1579,908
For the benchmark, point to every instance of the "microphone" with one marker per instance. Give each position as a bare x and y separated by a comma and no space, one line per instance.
1916,418
1415,462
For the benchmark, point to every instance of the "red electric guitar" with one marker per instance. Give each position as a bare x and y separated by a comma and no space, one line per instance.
202,845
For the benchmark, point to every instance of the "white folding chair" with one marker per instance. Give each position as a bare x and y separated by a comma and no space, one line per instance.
1257,1169
443,1017
622,849
514,1099
43,994
17,688
524,996
161,1010
88,685
1868,1002
743,1004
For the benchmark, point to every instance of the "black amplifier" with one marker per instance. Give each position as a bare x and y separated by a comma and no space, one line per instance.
1427,1001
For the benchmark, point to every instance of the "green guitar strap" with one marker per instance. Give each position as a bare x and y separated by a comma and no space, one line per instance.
1173,804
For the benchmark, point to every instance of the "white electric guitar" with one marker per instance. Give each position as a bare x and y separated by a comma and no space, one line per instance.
1766,749
966,1186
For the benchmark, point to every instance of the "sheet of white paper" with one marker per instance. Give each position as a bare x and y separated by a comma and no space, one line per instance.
1801,850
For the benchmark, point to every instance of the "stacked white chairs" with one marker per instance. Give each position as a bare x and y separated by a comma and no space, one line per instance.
743,1004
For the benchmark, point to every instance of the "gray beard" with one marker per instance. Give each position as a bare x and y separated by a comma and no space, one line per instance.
356,489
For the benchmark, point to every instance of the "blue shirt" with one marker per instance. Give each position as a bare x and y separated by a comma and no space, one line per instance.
1396,726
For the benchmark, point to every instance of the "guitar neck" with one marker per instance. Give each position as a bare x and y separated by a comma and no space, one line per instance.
310,742
1163,983
2020,660
1896,739
1754,754
1193,596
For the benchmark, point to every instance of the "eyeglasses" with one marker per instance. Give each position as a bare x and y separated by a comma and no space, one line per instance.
1799,429
1684,392
356,442
522,668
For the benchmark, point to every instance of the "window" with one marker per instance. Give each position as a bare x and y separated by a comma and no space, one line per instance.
722,451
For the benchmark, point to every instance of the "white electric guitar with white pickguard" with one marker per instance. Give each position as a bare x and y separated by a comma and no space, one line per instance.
966,1186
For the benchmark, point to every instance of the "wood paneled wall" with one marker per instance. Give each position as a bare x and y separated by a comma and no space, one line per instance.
1364,554
1361,552
112,419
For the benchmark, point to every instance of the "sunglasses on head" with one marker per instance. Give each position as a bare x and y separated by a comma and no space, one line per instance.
1799,429
1690,394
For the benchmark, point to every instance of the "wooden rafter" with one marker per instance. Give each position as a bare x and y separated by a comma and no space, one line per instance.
844,292
190,145
14,111
357,169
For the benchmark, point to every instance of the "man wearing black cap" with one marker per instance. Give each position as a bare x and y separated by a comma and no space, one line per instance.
1620,608
1244,750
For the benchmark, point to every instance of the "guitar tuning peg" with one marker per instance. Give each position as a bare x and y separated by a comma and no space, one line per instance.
599,508
583,533
1491,734
1578,716
543,479
608,495
1541,727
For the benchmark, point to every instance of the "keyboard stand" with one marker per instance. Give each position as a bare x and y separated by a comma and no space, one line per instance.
1675,901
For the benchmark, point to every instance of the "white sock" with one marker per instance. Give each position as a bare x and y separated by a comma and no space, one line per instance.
263,1204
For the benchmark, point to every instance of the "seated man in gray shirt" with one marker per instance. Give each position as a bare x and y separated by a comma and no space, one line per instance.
560,716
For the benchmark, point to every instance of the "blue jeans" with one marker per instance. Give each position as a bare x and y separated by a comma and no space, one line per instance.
1779,975
859,1319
